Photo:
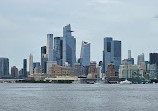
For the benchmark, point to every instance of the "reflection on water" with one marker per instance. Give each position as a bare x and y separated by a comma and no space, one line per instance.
78,97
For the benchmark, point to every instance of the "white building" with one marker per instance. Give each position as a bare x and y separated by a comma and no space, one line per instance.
129,71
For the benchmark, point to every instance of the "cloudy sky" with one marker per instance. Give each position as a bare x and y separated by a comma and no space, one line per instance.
25,23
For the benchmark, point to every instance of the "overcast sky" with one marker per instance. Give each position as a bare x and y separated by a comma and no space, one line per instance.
24,25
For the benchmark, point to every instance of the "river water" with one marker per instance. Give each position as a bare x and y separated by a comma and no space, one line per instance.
78,97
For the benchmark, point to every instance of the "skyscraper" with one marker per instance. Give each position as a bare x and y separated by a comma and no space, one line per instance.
31,64
111,53
14,72
116,54
106,53
25,68
140,59
50,47
85,56
69,46
58,49
153,58
4,67
50,52
44,59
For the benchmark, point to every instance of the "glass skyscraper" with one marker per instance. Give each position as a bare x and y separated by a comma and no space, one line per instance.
4,67
69,46
44,59
153,58
58,49
85,56
25,68
111,53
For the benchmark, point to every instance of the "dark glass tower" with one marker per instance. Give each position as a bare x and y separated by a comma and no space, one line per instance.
25,67
58,49
111,53
4,67
153,58
44,59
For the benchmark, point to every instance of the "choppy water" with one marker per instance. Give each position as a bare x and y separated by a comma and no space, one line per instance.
78,97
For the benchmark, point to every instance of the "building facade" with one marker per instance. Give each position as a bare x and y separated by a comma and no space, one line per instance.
50,47
14,72
69,46
31,64
153,58
111,53
140,59
4,67
85,57
44,59
25,68
58,48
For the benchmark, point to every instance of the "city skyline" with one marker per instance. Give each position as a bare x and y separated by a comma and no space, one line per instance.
27,33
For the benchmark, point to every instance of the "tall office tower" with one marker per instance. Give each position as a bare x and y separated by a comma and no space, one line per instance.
69,46
111,53
153,58
50,52
85,56
14,72
44,59
140,59
31,64
116,54
50,47
58,49
25,68
4,67
129,54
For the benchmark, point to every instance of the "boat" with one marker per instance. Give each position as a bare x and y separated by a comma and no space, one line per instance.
126,82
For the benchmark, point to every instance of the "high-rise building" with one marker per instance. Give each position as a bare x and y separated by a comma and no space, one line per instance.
14,72
44,59
50,52
85,57
69,46
111,53
85,54
50,47
58,49
153,58
25,68
116,54
4,67
31,64
140,59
